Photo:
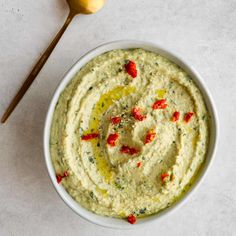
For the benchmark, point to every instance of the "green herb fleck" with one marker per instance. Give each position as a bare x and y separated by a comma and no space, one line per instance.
91,160
143,210
171,84
120,126
118,184
91,194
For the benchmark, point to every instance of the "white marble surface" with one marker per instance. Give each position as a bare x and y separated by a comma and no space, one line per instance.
203,32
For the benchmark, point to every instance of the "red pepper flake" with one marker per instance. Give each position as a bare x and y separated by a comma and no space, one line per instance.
111,140
129,150
59,178
175,116
125,149
150,136
136,113
115,120
163,176
87,137
188,116
159,104
131,219
139,164
130,68
65,174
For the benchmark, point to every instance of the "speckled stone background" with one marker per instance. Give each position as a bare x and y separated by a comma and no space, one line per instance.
202,32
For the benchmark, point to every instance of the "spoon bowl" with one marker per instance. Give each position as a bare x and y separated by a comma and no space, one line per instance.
85,6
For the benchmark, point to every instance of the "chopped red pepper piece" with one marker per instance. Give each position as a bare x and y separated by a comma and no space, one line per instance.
175,116
59,178
163,176
133,151
131,219
159,104
111,140
150,136
130,68
136,113
139,164
188,116
125,149
65,174
87,137
115,120
129,150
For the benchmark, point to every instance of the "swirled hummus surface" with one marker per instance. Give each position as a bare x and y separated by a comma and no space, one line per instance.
129,143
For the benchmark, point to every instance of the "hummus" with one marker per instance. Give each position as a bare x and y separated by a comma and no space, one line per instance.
134,173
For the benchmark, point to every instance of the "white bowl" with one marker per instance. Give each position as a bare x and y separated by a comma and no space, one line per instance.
126,44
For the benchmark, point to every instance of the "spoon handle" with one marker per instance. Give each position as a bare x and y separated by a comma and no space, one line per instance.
29,80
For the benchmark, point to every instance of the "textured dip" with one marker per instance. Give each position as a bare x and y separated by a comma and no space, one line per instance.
129,134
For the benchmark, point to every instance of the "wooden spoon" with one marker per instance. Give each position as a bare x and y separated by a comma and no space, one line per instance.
76,7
